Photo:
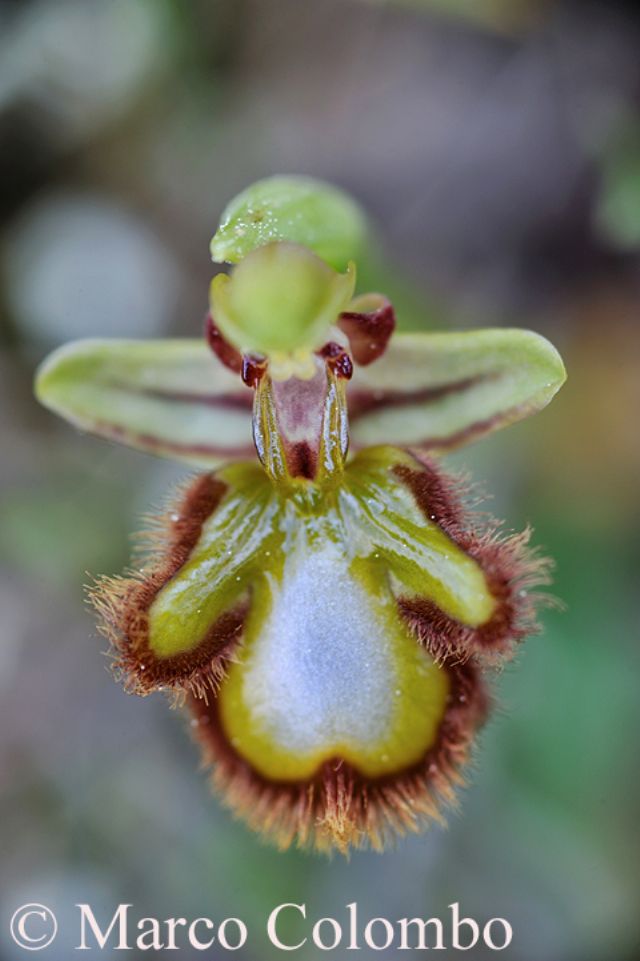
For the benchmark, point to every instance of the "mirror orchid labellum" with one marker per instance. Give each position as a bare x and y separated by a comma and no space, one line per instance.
327,611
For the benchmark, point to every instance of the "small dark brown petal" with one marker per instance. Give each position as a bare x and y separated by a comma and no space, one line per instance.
224,351
368,331
513,572
339,808
123,603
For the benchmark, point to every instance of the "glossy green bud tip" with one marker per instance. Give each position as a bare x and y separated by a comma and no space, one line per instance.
300,210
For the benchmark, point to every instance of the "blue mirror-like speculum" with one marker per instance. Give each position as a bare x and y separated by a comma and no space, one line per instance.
327,609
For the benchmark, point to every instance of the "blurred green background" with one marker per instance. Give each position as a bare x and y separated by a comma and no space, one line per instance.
497,147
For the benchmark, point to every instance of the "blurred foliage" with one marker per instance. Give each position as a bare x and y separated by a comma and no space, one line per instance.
618,210
504,15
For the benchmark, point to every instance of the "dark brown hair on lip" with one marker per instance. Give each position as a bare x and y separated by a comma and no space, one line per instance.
123,603
513,572
339,808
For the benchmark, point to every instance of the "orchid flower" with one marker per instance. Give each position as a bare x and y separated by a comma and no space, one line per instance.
327,610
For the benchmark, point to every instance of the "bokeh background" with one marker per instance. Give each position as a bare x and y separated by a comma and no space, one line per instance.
496,144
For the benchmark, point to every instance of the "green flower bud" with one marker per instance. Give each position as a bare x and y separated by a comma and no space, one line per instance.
296,209
280,300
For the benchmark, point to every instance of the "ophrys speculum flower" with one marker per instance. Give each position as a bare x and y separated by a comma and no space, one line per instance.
327,618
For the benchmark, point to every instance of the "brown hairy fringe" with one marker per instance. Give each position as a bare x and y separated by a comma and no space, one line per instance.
339,808
511,568
123,603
